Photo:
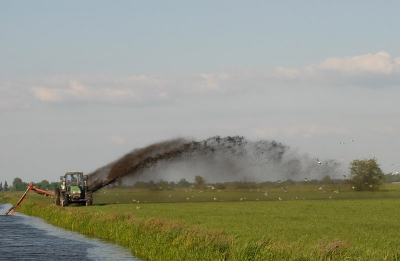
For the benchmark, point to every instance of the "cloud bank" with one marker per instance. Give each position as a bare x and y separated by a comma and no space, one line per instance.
369,70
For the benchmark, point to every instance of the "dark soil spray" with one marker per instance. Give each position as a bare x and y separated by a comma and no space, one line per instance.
215,159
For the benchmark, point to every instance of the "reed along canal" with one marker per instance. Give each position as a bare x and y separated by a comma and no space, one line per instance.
29,238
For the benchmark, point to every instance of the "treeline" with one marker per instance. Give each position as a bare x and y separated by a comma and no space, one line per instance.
200,183
19,185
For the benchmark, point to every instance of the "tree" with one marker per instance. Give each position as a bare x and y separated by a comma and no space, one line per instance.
18,185
183,183
326,180
54,185
162,184
365,175
220,186
1,186
5,186
45,184
198,182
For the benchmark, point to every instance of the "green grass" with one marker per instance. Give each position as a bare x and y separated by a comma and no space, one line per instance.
236,226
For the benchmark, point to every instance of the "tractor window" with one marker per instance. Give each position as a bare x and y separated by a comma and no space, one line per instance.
73,180
78,179
68,179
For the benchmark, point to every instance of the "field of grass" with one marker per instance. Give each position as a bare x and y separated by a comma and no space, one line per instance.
306,224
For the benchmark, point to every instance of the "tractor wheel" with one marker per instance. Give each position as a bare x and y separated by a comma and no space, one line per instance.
88,197
57,196
64,199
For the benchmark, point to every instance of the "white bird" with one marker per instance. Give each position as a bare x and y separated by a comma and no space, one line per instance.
342,159
352,140
266,194
395,173
215,198
319,162
344,176
336,191
280,198
342,142
305,179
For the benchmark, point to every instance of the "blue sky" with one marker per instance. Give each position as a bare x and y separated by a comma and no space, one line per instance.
83,83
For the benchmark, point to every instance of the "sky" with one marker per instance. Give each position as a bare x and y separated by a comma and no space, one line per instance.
82,83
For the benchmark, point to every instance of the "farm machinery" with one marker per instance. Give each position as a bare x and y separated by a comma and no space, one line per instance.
45,193
73,189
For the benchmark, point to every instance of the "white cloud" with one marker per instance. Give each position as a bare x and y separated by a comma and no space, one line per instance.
369,70
379,63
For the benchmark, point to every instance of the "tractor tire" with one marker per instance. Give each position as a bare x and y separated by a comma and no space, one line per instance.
64,199
88,197
57,197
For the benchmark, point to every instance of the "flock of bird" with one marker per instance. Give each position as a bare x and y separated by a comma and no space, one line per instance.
342,160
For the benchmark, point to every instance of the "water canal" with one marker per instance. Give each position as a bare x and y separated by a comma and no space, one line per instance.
24,237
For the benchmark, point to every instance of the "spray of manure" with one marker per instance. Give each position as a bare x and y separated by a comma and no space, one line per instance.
215,159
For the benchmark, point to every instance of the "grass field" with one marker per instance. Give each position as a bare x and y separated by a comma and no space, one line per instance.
306,224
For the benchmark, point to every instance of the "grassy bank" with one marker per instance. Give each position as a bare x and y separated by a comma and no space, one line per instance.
360,226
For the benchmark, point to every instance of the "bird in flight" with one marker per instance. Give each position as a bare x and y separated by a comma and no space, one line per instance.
342,159
341,142
319,162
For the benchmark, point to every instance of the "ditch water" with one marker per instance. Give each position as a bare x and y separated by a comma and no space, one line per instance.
29,238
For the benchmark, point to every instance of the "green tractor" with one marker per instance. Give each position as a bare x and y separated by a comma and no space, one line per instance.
74,189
